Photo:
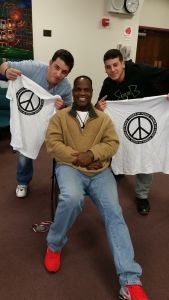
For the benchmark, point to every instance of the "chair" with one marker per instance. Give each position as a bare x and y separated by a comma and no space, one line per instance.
54,190
4,109
45,225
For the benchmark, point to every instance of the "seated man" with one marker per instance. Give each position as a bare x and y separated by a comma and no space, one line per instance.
82,139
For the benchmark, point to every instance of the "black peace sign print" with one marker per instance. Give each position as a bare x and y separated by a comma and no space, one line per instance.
28,102
140,127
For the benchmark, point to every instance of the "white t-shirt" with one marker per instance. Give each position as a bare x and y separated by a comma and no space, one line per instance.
31,108
143,129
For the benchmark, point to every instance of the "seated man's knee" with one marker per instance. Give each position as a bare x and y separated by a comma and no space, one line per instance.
72,198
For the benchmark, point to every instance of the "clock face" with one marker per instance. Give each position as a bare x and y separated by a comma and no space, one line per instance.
131,6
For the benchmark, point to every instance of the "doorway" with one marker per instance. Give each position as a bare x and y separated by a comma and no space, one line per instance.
153,46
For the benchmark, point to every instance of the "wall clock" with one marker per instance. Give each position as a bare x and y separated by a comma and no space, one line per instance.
131,6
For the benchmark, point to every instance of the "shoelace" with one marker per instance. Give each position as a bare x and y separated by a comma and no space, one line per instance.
136,290
21,187
42,226
52,254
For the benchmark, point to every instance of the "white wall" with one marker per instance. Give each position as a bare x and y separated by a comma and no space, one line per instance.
76,26
155,13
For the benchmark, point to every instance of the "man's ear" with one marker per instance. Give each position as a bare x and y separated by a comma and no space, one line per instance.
50,62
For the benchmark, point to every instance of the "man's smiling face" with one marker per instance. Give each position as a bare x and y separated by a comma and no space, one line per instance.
82,93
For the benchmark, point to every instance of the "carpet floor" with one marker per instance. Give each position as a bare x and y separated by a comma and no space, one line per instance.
87,271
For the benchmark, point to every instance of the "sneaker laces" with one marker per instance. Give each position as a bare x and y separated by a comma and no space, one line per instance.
52,254
136,290
42,226
21,187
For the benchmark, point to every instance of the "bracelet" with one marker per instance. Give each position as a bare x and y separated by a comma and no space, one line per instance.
6,70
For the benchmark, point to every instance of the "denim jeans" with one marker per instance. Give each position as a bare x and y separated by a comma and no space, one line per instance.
102,189
143,184
24,170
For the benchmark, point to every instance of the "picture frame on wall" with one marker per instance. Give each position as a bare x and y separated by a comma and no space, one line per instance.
16,36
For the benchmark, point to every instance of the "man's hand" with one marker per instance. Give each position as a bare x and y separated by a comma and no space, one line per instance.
101,104
59,103
83,159
95,165
12,73
167,96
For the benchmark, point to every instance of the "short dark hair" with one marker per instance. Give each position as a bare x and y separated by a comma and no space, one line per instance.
113,53
66,56
82,76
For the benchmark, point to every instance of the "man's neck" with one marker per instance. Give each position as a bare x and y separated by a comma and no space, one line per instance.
50,86
82,109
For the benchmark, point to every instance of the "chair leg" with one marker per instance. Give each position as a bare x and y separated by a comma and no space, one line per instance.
54,191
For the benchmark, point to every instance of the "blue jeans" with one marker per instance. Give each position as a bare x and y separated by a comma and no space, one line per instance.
143,184
102,189
24,170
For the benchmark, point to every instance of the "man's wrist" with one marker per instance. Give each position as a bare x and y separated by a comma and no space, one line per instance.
6,71
91,155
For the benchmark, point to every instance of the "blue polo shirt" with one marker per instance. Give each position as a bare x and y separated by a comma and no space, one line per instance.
37,72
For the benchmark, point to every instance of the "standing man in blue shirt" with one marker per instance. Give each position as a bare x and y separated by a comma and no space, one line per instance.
51,77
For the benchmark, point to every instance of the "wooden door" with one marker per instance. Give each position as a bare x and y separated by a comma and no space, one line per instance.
153,46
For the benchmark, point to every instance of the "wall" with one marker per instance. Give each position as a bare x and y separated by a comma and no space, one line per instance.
76,26
155,13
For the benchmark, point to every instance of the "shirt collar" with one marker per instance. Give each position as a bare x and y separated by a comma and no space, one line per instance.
92,112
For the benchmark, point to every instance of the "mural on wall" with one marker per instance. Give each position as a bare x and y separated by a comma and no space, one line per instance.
16,38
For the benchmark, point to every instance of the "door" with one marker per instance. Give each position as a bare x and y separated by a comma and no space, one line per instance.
153,46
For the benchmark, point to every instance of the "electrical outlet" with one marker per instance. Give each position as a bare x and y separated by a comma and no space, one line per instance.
47,32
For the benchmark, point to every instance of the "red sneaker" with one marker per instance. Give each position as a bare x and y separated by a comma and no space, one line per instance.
132,292
52,260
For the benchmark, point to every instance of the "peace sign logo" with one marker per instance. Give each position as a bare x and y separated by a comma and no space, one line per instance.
28,102
140,127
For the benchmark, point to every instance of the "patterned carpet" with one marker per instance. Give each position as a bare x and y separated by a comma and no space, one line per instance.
87,271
